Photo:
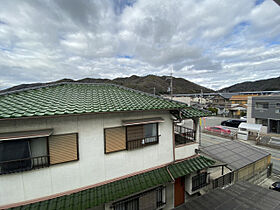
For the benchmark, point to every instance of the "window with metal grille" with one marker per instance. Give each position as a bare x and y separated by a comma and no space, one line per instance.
141,135
152,199
19,155
23,155
199,181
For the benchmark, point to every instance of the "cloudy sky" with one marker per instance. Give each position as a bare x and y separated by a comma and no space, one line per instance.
214,43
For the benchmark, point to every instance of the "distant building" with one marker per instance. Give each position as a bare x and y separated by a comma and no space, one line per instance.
238,105
221,102
265,110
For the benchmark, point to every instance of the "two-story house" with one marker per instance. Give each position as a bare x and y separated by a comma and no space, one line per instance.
265,110
96,146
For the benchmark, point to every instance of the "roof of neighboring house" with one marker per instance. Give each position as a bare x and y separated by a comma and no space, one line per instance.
241,195
98,195
191,112
82,98
73,98
226,95
235,153
240,97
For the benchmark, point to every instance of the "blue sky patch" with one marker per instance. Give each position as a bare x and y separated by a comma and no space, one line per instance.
125,56
258,2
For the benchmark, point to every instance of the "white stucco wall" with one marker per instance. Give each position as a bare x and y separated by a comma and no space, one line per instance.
94,166
182,150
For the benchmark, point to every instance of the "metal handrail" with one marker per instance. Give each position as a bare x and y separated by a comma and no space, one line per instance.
24,164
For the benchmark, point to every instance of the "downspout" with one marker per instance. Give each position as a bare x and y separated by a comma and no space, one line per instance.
173,135
173,180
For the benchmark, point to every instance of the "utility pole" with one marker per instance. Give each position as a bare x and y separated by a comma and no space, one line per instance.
171,83
154,91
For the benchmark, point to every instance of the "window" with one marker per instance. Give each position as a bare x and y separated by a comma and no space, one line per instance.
30,153
199,181
277,105
263,122
22,155
152,199
277,111
262,105
141,135
130,137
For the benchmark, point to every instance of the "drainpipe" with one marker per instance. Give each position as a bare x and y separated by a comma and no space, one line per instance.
173,180
173,135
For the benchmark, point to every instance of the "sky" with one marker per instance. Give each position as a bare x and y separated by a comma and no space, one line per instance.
214,43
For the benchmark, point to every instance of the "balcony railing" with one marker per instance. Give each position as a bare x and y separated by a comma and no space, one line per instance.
137,143
26,164
183,135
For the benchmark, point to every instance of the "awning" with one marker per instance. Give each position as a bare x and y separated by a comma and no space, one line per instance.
105,193
121,188
142,121
189,166
25,134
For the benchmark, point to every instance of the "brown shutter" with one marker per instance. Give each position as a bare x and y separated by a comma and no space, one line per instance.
135,132
115,139
63,148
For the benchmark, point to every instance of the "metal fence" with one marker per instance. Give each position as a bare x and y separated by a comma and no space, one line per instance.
223,180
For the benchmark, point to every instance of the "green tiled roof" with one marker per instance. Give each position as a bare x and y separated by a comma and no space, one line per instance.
191,112
121,188
190,166
73,98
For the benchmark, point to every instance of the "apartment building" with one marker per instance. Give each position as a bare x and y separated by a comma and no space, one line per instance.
97,146
265,110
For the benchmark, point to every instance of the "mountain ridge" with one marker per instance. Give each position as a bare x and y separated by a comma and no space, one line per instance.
258,85
143,83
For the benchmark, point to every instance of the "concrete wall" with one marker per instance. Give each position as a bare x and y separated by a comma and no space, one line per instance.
94,166
182,150
266,113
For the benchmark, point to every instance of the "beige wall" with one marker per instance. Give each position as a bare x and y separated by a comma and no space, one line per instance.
94,166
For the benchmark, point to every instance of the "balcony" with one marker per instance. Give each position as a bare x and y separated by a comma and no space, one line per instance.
26,164
183,135
185,144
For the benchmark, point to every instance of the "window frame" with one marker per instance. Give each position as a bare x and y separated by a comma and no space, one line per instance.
105,143
44,164
198,180
262,105
77,147
160,198
30,158
143,144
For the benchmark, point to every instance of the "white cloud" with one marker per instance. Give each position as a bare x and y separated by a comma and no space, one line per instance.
211,42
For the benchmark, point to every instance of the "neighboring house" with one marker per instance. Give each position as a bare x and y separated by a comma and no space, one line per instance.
97,146
222,103
238,105
237,161
265,110
241,195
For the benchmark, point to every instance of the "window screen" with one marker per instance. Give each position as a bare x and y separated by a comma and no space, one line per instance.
14,156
